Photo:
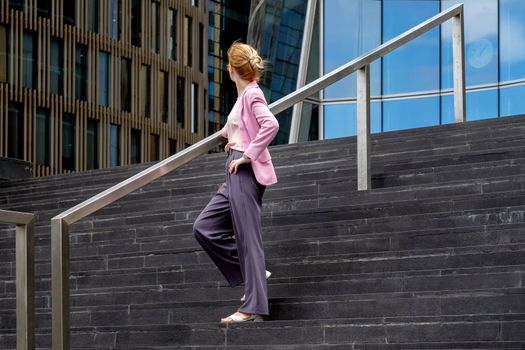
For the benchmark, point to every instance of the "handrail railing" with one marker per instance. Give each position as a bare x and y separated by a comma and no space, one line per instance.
60,223
25,277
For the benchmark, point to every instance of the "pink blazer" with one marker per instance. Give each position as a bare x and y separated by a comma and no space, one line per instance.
258,128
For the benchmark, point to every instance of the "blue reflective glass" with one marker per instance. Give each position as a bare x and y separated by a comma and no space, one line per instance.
410,113
103,69
512,40
346,39
340,119
481,42
480,105
415,65
512,101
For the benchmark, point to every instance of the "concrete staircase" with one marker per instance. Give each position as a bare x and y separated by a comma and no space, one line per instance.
432,258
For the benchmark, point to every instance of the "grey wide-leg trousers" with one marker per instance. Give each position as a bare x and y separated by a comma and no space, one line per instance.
229,230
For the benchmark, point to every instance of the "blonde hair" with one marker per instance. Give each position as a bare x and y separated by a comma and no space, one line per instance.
245,60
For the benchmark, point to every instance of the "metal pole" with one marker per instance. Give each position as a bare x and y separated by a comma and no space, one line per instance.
25,287
303,69
60,284
363,129
459,67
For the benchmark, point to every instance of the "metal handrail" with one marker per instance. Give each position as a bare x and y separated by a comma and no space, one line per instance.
60,223
25,277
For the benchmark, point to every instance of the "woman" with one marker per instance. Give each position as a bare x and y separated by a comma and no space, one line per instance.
229,228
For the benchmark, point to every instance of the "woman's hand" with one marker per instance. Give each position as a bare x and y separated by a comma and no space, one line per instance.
227,148
235,163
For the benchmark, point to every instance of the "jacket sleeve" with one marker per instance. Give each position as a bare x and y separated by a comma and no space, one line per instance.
224,131
268,124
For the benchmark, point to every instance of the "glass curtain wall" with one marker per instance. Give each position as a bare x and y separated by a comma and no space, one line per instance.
412,86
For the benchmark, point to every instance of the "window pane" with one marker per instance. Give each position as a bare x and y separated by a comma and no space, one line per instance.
512,101
340,120
481,43
17,5
359,36
172,27
92,144
418,59
92,12
69,12
163,95
15,129
188,41
145,90
68,141
136,23
201,47
410,113
4,53
194,108
512,40
57,59
114,19
43,137
29,60
181,101
155,26
114,145
125,84
81,72
154,148
135,146
103,78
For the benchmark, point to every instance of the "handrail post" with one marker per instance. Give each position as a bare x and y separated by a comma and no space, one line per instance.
60,284
458,58
25,287
363,129
25,276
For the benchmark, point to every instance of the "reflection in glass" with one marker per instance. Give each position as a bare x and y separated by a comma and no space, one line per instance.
135,146
360,35
15,131
29,68
172,27
43,137
68,141
482,104
188,41
114,19
512,40
92,14
4,53
103,78
339,120
56,66
145,90
125,84
114,145
481,43
81,72
92,142
512,101
410,113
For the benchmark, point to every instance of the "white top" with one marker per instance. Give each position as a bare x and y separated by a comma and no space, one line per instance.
233,129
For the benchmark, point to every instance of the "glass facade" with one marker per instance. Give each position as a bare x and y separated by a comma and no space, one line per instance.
15,126
172,144
92,15
181,101
68,141
43,8
194,107
154,148
145,90
81,61
92,140
103,78
29,57
155,26
135,149
125,84
69,11
136,22
163,95
114,145
172,28
411,86
56,66
43,137
188,41
114,18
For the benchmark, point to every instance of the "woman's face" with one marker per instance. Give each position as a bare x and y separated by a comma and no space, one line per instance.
232,72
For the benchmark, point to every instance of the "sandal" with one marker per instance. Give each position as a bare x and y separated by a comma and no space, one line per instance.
238,319
268,274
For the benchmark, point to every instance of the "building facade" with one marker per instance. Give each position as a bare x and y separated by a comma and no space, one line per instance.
99,83
411,86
